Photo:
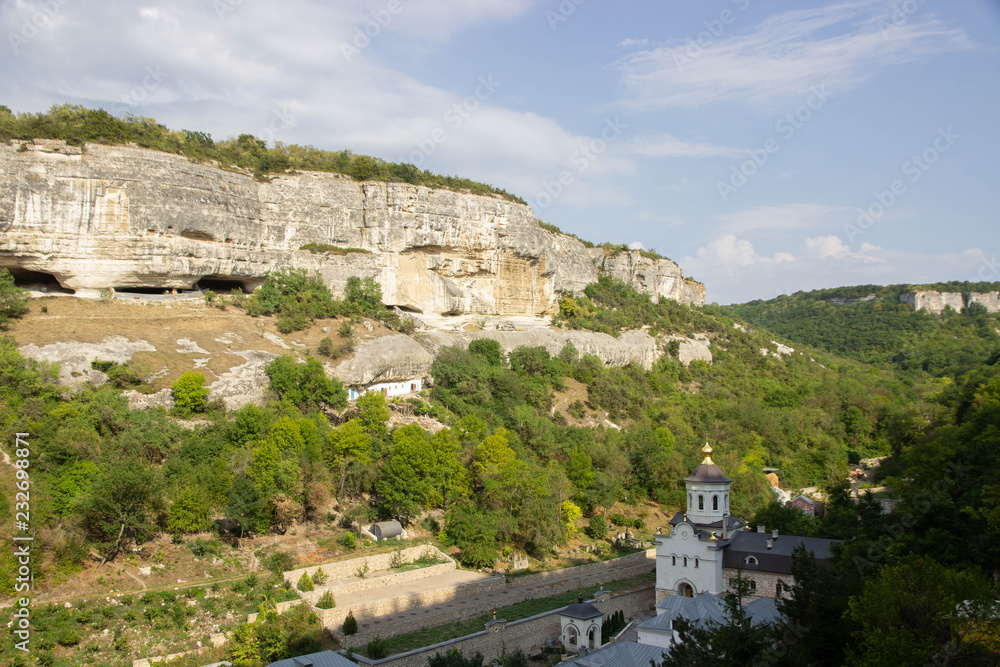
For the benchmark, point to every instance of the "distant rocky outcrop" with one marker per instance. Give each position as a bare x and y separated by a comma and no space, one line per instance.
124,217
660,278
691,349
936,302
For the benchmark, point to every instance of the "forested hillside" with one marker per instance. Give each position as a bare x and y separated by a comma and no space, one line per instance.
510,471
881,330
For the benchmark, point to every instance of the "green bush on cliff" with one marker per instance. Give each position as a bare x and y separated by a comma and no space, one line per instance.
13,299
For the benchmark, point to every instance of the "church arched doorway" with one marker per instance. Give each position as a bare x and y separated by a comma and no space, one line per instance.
685,590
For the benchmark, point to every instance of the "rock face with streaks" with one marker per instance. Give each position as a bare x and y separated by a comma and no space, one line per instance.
660,278
936,302
126,218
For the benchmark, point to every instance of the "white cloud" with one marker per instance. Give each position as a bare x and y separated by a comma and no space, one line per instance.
667,145
735,272
784,218
840,45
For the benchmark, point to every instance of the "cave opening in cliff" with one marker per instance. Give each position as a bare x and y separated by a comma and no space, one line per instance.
37,280
131,289
222,284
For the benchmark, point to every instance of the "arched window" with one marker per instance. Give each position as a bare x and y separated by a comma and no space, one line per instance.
690,501
725,501
571,631
685,561
715,503
753,586
673,560
778,590
750,560
696,562
701,502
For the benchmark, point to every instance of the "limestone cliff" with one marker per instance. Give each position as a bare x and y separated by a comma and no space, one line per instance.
660,278
125,217
936,302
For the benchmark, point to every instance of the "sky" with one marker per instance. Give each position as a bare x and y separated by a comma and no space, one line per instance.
765,147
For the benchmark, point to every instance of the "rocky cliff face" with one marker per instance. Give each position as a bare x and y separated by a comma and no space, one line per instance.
660,278
936,302
124,217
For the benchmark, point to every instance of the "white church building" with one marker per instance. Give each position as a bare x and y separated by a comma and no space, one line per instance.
708,546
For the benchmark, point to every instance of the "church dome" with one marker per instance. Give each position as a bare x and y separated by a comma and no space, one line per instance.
707,471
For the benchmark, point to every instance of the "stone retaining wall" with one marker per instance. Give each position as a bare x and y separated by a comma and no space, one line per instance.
387,581
525,634
348,568
371,612
593,574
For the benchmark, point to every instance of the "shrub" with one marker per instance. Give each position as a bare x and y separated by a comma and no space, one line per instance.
326,601
377,648
68,638
319,577
326,347
279,562
305,583
597,529
348,541
350,624
189,392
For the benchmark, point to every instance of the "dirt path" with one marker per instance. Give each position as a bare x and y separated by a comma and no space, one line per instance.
141,582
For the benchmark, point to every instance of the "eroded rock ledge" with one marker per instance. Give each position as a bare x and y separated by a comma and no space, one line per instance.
129,218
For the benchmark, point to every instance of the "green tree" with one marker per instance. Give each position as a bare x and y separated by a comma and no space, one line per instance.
568,515
13,299
373,414
916,611
345,449
189,392
122,505
365,295
474,532
246,509
305,384
189,512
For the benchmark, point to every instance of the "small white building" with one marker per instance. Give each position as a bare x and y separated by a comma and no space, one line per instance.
581,626
388,389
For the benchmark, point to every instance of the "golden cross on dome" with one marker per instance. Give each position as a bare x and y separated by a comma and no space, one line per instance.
707,451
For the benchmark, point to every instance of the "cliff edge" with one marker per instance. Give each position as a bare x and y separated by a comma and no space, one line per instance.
129,218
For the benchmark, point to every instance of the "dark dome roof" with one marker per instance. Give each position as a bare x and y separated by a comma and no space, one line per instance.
582,611
707,472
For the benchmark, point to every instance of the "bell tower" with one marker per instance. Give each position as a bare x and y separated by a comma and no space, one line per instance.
707,491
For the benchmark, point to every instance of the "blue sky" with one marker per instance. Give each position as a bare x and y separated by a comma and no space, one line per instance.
766,147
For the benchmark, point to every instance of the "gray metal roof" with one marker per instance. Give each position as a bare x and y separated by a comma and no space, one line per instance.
321,659
707,472
704,609
778,558
622,654
582,611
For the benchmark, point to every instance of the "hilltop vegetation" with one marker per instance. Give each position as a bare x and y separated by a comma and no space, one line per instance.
882,331
78,125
